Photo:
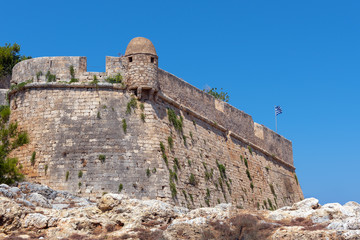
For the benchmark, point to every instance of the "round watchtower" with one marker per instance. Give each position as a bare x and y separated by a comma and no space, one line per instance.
141,63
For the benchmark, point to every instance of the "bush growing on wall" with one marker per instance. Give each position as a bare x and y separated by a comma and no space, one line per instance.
11,139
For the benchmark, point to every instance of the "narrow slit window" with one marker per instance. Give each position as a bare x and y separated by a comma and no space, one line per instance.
130,59
152,60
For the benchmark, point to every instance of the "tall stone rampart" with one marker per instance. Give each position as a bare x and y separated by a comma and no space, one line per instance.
181,145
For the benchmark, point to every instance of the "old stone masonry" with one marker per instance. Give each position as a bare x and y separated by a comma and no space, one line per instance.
140,130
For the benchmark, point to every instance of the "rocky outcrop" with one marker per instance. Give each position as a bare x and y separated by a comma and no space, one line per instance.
33,211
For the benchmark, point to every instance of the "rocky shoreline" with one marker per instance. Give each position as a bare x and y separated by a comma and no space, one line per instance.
33,211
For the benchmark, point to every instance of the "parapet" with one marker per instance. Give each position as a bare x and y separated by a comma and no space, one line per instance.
59,66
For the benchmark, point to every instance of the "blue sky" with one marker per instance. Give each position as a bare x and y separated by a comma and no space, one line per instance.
301,55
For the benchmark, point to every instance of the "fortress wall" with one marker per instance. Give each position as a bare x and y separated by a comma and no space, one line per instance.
114,65
70,127
225,115
27,69
67,134
204,144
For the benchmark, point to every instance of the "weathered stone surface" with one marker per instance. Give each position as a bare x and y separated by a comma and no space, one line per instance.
92,138
152,219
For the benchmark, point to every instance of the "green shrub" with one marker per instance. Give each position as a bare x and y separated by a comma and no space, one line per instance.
173,119
184,138
98,115
248,174
189,162
171,142
32,160
173,189
80,174
79,184
252,186
250,150
207,201
184,193
270,204
296,179
165,159
176,161
148,172
154,170
265,204
267,168
162,147
192,179
132,104
95,81
142,117
120,187
22,139
124,125
38,74
222,169
246,163
102,158
194,123
272,189
191,198
50,77
142,107
115,79
67,175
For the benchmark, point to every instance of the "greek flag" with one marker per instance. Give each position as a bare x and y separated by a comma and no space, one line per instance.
278,110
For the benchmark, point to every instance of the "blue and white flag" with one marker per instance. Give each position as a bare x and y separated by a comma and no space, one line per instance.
278,110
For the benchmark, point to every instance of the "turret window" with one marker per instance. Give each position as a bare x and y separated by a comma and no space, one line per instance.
130,59
152,60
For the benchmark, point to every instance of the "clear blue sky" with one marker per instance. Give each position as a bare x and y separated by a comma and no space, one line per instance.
301,55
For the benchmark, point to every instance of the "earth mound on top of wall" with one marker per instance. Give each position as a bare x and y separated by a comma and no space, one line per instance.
33,211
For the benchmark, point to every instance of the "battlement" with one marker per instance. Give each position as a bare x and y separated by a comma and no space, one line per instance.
72,123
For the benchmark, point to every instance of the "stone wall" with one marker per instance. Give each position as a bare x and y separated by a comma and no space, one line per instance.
225,115
218,155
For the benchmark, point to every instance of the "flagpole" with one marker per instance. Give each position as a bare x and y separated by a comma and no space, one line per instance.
275,118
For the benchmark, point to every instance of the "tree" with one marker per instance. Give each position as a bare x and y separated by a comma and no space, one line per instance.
221,95
9,56
10,139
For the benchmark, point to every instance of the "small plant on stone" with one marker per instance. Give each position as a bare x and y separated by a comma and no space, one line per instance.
267,168
32,160
38,75
248,174
142,107
79,184
115,79
189,162
191,198
50,77
46,168
120,187
148,173
173,189
154,170
272,189
270,204
296,179
95,81
176,161
173,119
132,104
142,117
162,147
80,174
67,175
191,136
184,138
194,123
171,142
98,115
252,186
102,158
222,169
184,193
124,125
250,150
246,163
192,179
